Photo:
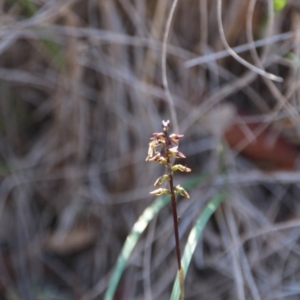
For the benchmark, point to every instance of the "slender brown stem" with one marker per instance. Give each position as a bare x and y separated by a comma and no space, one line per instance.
173,200
175,220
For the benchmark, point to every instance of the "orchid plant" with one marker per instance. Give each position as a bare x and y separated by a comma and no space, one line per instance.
163,148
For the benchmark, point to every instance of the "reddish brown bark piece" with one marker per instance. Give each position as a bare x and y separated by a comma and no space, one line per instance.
278,154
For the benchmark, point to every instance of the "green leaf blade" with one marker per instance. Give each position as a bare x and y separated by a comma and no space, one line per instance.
193,239
130,243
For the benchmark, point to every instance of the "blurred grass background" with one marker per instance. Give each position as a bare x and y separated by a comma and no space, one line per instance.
81,93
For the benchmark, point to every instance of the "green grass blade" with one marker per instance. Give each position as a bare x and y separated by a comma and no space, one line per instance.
136,232
131,241
193,239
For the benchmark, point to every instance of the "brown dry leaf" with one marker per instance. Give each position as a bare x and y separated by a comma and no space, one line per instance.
71,242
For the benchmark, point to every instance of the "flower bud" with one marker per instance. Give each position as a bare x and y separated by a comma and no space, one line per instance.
180,190
175,137
181,168
151,149
160,192
158,134
165,123
161,160
161,179
153,158
174,151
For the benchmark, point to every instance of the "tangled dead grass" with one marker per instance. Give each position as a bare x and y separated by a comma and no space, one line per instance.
81,91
